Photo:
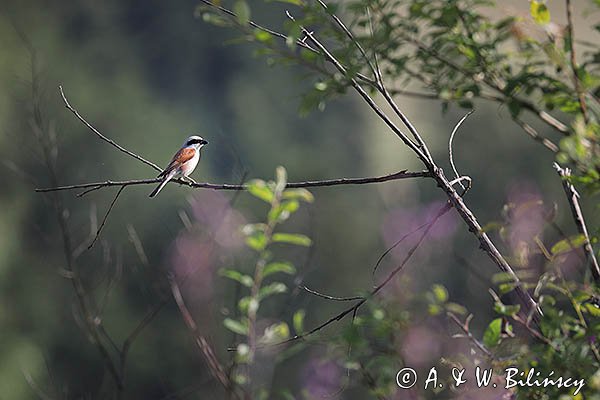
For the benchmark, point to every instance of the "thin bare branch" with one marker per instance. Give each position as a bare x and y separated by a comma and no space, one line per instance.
354,308
573,60
527,105
412,145
112,204
450,156
380,83
133,335
101,136
467,333
300,42
213,363
456,200
88,314
404,174
392,247
530,130
328,297
573,198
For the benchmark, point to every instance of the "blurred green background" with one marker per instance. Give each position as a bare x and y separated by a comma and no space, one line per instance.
148,74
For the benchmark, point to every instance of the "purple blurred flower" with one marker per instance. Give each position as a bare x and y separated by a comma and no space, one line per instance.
322,378
421,346
526,220
192,259
212,210
402,221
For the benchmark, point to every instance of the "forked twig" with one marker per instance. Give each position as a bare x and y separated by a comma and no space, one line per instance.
455,199
467,333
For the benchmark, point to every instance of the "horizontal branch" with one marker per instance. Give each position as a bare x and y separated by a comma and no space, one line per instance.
404,174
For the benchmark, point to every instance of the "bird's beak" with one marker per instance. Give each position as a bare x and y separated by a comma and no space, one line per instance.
204,142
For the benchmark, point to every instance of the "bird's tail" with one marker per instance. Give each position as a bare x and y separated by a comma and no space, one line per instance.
162,185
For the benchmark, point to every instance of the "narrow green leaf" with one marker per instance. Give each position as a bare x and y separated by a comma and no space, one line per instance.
456,308
258,188
257,241
242,11
283,211
262,36
539,11
292,238
508,310
440,293
299,194
271,289
275,333
274,267
237,276
298,321
236,326
567,245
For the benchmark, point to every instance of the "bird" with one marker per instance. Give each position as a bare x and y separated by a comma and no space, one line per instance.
183,162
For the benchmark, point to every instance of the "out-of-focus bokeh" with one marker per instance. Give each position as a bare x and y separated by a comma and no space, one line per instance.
148,74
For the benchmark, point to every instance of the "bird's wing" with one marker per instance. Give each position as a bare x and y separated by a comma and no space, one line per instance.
179,158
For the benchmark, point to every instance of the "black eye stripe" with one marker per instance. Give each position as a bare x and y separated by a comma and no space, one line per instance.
196,141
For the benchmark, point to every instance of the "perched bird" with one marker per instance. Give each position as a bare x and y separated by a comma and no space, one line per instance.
183,162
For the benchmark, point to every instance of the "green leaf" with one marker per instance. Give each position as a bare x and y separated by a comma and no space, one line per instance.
242,11
283,211
248,304
257,241
298,194
434,309
440,293
273,288
274,267
237,276
292,238
491,336
298,321
321,86
236,326
262,36
258,188
539,11
508,310
504,288
456,308
502,277
276,333
567,245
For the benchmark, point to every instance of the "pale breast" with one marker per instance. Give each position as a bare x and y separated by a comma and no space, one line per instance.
189,166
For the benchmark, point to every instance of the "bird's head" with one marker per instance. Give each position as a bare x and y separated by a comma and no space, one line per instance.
195,141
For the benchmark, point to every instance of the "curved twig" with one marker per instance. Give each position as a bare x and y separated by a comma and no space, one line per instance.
101,136
456,174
